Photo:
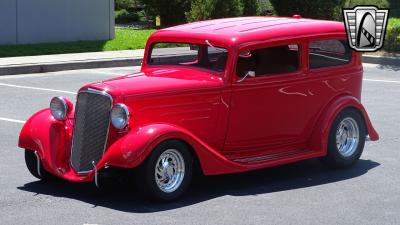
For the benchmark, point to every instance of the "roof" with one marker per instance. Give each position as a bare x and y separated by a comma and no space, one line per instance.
239,30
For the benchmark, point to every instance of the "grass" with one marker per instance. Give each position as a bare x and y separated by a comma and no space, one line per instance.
125,39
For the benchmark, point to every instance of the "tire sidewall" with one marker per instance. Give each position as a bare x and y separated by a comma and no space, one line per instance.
149,170
31,164
333,154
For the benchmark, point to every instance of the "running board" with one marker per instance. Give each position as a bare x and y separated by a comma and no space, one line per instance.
270,157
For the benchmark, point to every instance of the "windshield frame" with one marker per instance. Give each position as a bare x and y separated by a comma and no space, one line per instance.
188,41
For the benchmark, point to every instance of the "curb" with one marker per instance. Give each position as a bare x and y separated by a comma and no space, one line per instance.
122,62
72,65
393,61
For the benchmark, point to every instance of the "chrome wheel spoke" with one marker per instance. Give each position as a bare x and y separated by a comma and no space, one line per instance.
170,170
347,137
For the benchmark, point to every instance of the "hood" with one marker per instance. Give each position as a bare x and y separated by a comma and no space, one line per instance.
161,80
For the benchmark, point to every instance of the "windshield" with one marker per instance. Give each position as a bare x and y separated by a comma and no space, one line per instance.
190,55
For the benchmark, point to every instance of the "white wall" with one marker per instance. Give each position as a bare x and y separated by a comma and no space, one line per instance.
38,21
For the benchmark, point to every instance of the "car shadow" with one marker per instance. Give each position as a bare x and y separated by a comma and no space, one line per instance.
392,67
284,178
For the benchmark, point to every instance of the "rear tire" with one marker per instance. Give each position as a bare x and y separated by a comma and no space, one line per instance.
346,140
167,172
32,165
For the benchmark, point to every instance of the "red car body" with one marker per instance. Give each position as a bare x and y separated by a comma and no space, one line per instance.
231,126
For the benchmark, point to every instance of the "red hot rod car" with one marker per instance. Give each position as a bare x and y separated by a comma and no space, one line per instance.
227,95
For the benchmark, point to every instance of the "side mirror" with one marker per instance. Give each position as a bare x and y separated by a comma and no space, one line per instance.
249,73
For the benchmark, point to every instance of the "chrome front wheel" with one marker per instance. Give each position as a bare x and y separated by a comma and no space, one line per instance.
169,170
166,173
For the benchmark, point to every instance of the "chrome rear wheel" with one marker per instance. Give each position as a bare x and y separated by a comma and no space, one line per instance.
347,137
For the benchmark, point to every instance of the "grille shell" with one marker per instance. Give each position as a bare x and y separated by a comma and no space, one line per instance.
91,126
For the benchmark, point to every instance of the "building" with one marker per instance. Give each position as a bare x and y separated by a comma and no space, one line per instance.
39,21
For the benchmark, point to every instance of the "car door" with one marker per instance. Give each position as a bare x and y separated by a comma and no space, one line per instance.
269,99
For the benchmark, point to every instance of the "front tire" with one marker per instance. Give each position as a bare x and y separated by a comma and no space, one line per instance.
36,170
167,172
346,140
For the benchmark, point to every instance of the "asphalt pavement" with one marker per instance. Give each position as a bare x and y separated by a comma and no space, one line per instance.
299,193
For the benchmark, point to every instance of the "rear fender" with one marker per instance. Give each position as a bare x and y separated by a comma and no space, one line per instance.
131,150
319,138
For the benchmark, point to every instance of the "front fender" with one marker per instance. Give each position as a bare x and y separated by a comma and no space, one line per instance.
50,138
132,149
319,138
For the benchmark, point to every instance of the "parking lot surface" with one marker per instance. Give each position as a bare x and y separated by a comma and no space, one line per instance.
300,193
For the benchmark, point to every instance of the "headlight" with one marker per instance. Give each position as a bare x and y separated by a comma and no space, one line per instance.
119,116
59,108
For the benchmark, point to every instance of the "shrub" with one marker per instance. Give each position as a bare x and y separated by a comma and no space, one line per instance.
265,7
227,8
172,12
124,4
214,9
250,7
123,16
200,10
392,38
394,8
378,3
323,9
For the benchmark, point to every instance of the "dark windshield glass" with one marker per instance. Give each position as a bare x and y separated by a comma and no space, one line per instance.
191,55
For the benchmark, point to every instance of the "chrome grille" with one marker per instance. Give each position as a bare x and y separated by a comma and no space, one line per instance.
92,120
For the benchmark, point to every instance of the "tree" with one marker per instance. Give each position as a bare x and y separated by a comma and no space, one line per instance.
129,5
172,12
214,9
378,3
395,8
322,9
250,7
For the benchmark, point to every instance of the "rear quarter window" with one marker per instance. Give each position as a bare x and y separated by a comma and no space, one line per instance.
328,53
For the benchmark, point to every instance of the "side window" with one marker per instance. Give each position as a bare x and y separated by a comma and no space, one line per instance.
269,61
328,53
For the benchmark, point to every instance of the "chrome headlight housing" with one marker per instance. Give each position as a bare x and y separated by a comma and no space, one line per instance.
58,108
119,116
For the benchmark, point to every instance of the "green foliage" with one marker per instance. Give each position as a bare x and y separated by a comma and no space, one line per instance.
123,16
172,12
265,7
322,9
250,7
394,8
124,4
213,9
378,3
200,10
392,38
227,8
